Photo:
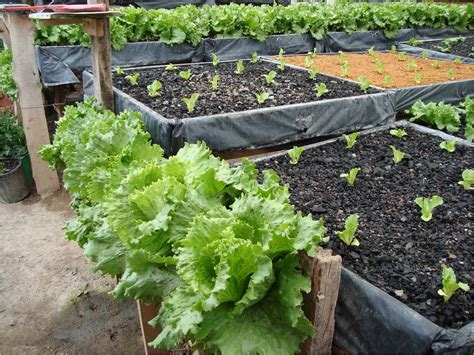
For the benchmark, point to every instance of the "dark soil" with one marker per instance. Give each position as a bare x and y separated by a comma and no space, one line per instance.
398,251
8,165
235,92
462,49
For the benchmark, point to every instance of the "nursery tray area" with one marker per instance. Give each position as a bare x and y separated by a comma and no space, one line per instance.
462,48
362,64
399,253
236,92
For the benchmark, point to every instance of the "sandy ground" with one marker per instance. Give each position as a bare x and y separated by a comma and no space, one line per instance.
50,301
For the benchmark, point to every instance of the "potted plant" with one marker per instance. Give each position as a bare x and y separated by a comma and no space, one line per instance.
15,168
8,90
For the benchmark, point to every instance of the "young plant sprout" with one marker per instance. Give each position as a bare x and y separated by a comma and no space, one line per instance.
450,74
450,284
295,154
215,82
387,80
312,53
399,133
133,78
154,89
281,53
350,176
281,64
350,228
321,89
458,60
427,205
240,67
270,77
397,155
448,145
345,69
119,70
171,67
436,64
185,74
373,54
418,78
308,61
363,83
191,101
393,48
411,65
313,73
380,67
424,54
351,139
254,57
401,56
342,57
413,42
262,97
215,60
467,179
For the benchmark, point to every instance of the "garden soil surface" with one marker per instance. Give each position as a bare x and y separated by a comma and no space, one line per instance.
399,253
50,301
362,64
236,92
462,49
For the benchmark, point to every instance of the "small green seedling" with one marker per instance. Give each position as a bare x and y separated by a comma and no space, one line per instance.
424,54
401,56
467,179
281,53
171,67
350,228
413,42
411,65
281,64
254,57
215,82
449,146
380,67
393,49
427,205
215,60
363,83
397,155
450,284
191,101
154,89
399,133
185,74
342,57
295,154
313,73
321,89
262,97
450,74
133,78
270,77
240,67
387,80
458,60
345,69
350,176
373,54
119,70
312,53
418,78
351,139
436,64
308,62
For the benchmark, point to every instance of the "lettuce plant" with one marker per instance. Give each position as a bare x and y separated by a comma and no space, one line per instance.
441,115
373,54
185,74
239,67
321,89
450,74
401,56
418,77
350,176
364,84
467,109
262,97
467,179
411,65
308,61
119,70
281,64
312,53
154,89
7,84
458,60
171,67
351,139
270,77
427,205
295,154
215,82
345,69
448,145
424,54
342,57
254,57
414,42
399,133
133,78
436,64
350,228
191,101
393,49
387,80
313,73
398,155
380,67
450,284
215,60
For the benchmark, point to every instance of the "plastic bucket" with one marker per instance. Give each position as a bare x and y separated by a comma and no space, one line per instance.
14,185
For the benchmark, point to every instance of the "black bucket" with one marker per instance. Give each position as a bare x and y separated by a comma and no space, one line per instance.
14,185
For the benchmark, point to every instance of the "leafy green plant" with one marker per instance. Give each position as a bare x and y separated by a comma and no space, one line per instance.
313,73
458,60
171,67
154,89
364,84
281,64
254,57
401,56
427,206
312,53
351,139
342,57
215,82
345,69
450,284
441,115
12,137
321,90
133,78
387,80
448,145
467,109
436,64
270,77
467,181
262,97
417,77
399,133
191,102
414,42
119,70
393,49
308,61
424,54
350,176
185,74
380,67
239,67
295,154
350,228
398,155
411,65
373,54
7,84
215,60
450,74
281,53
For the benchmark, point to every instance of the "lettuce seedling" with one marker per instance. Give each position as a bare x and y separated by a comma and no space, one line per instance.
281,64
363,83
185,74
270,77
312,53
399,133
458,60
380,67
418,78
215,82
401,56
119,70
393,49
450,284
262,97
427,205
350,176
436,64
254,57
133,78
387,80
313,73
171,67
154,89
281,53
350,228
449,145
345,69
191,101
467,179
308,61
295,154
450,74
424,54
215,60
411,65
351,139
240,67
413,42
373,54
342,57
321,89
397,155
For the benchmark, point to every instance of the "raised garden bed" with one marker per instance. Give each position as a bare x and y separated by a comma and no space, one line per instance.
230,116
399,253
458,46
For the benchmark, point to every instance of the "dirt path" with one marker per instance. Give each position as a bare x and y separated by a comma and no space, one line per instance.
50,301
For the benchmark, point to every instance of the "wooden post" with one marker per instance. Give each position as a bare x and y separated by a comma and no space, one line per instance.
5,34
146,313
30,98
320,304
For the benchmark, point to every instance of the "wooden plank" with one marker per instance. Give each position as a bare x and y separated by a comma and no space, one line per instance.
320,304
73,16
146,313
59,99
30,97
5,34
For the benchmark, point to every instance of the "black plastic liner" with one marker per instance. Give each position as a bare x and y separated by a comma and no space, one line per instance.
260,127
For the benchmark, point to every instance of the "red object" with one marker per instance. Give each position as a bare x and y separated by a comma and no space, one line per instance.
59,8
